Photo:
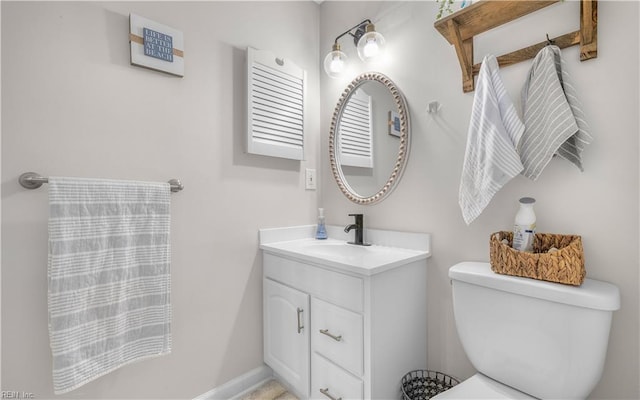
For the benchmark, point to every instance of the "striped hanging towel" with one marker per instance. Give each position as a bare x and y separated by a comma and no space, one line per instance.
553,117
109,281
495,128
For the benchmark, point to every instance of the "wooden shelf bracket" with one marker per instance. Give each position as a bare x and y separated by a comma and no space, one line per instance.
460,27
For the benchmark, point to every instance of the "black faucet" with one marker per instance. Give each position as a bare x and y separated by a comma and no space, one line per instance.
359,227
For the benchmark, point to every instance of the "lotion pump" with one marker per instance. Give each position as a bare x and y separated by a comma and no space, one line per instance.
321,231
525,225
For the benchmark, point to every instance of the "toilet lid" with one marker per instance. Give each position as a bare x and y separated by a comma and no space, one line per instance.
482,387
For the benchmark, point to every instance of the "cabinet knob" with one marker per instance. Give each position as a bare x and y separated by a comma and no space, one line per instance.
326,393
334,337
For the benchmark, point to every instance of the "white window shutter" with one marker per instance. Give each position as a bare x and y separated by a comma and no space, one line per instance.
275,112
356,147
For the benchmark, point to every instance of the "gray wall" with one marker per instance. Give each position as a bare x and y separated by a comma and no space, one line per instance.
601,204
72,105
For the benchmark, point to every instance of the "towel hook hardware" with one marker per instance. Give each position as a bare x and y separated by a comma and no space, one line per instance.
433,107
550,41
176,185
32,180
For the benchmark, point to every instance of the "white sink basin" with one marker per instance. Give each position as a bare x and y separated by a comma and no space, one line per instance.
340,255
336,248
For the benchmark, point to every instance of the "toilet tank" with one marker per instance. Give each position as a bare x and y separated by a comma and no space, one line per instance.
546,339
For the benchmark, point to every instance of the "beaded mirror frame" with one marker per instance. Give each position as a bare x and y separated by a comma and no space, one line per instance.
403,146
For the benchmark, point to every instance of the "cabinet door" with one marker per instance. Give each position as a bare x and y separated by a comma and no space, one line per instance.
286,334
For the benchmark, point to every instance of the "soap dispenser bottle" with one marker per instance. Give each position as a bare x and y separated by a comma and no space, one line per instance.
321,230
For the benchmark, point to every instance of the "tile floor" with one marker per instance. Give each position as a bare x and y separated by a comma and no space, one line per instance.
271,390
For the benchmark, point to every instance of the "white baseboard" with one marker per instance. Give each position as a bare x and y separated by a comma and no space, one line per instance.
238,385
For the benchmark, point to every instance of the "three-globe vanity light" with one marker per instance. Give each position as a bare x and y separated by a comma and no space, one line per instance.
369,43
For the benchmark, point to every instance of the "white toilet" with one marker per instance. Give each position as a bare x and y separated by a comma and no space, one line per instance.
528,338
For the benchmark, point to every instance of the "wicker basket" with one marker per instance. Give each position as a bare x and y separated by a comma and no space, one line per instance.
423,384
566,265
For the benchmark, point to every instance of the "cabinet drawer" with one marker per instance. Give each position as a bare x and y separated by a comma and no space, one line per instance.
330,381
337,334
346,290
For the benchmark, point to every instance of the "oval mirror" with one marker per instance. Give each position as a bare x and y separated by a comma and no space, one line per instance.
369,138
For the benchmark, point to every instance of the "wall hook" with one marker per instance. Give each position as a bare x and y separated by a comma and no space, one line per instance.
549,41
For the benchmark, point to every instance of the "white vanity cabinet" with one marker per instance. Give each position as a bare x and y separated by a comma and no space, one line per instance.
332,333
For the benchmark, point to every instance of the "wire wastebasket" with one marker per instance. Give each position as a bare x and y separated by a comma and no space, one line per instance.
423,384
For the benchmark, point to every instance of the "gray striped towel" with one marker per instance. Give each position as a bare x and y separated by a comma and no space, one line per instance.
495,128
109,277
553,117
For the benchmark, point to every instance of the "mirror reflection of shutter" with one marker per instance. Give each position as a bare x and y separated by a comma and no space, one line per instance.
275,112
356,147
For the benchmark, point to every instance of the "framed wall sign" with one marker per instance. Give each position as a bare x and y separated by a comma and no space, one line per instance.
156,46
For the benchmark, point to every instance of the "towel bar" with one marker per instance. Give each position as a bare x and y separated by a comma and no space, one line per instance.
32,180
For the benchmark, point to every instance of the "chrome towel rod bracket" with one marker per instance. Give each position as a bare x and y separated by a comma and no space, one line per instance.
32,180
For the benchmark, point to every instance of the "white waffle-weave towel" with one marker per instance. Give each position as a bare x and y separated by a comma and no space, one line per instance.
109,278
553,116
495,128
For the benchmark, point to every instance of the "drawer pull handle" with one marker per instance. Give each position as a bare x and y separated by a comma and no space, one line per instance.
334,337
300,326
326,393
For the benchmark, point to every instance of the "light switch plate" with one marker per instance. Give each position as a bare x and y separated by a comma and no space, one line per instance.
310,179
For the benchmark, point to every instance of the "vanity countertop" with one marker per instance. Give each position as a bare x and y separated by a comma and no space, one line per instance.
335,253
